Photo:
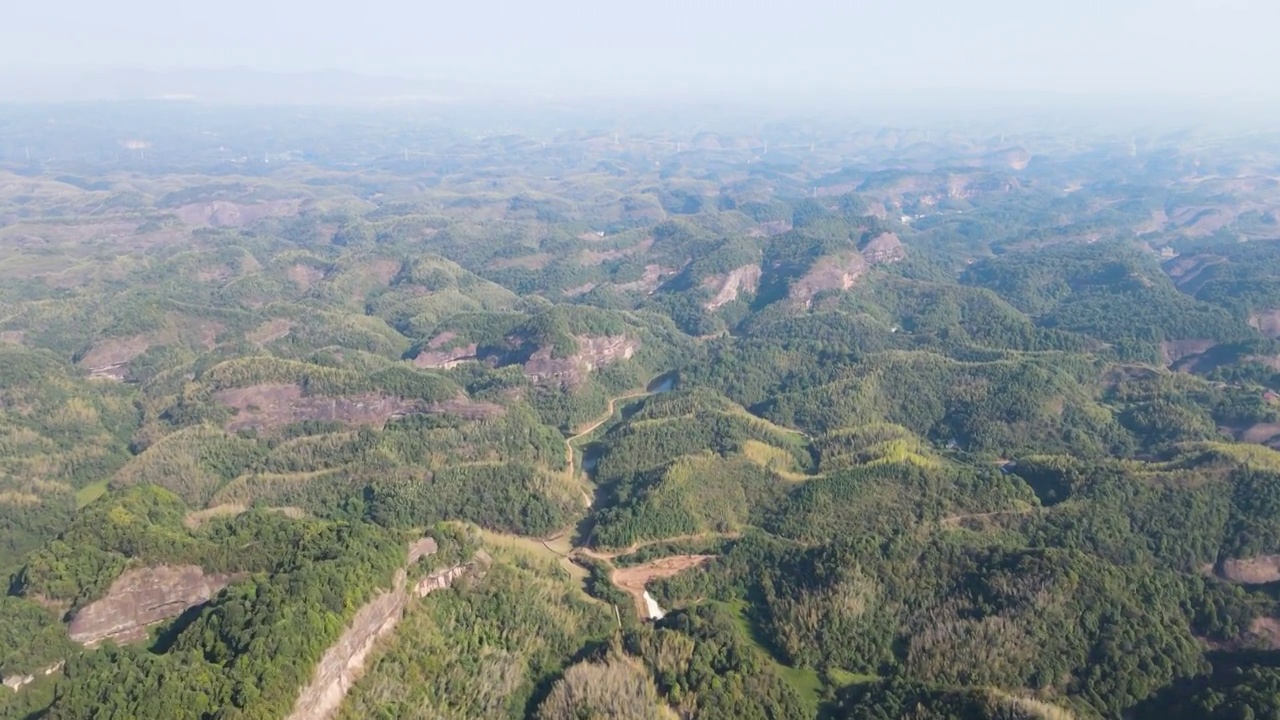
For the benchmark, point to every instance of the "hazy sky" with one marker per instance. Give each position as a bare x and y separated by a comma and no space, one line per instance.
1220,48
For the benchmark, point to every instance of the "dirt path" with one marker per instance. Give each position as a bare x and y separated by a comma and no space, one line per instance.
595,425
599,555
634,579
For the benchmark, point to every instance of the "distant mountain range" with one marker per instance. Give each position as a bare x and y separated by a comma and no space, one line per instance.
229,85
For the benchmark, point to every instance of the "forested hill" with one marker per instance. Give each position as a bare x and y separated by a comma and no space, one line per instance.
414,420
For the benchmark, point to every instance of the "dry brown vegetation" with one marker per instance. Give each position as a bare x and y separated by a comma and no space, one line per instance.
618,689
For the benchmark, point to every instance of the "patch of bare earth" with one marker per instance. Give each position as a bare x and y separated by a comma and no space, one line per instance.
1174,351
727,287
1185,270
12,337
1258,570
384,270
1265,631
221,213
196,518
1270,361
107,358
1200,222
1156,223
270,331
269,406
829,273
596,257
1267,323
634,579
304,276
1261,434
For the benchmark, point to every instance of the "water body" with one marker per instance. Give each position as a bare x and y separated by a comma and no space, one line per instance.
651,606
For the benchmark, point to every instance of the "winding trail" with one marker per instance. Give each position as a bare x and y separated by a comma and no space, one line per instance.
634,547
595,425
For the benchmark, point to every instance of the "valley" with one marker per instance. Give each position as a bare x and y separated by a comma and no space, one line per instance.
785,421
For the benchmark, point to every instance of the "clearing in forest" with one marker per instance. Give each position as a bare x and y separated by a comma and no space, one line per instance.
634,579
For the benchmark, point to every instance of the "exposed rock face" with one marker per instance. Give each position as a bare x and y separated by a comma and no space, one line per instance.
883,248
743,279
445,358
649,280
343,663
1258,570
142,597
1176,350
275,405
593,352
836,272
437,355
1267,323
1260,433
441,579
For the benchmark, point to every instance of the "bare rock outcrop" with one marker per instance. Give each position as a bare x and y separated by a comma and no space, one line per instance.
273,405
649,280
593,352
442,352
884,248
1258,570
727,287
834,272
142,597
343,663
441,579
1267,323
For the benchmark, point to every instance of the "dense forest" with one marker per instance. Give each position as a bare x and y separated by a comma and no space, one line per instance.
786,423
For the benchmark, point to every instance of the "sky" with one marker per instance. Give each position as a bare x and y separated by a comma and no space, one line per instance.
1216,50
